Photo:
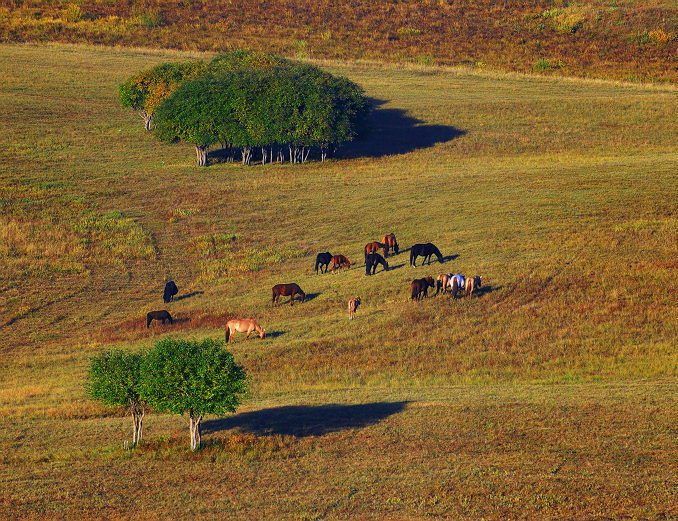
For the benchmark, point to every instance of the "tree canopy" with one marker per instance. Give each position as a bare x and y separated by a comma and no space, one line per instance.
115,379
247,101
192,377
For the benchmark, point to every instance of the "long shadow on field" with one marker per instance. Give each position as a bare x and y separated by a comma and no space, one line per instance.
189,295
310,296
307,420
274,334
393,132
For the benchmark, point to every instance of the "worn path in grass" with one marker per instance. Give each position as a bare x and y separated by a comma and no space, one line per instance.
561,193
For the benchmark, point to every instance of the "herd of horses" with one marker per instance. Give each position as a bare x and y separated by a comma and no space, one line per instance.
447,282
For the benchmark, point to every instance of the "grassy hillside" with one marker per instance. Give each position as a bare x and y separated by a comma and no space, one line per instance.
550,394
626,39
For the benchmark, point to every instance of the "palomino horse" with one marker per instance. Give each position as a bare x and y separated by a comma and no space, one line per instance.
161,315
287,290
339,261
352,306
373,247
241,326
471,284
371,262
424,250
390,242
420,286
323,259
443,281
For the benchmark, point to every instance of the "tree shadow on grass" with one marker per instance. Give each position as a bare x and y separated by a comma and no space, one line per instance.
393,132
306,420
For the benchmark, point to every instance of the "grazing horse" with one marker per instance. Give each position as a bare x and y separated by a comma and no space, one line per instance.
323,259
339,261
390,242
287,290
371,262
170,290
352,306
457,283
241,326
373,247
443,281
161,315
471,284
419,287
424,250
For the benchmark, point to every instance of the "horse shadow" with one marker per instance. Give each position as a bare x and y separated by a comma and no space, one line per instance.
274,334
483,290
393,132
189,295
392,267
307,420
448,258
181,320
310,296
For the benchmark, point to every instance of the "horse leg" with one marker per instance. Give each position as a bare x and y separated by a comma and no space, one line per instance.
292,298
247,336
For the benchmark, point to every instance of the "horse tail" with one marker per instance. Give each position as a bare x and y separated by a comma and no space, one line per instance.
148,320
228,332
317,261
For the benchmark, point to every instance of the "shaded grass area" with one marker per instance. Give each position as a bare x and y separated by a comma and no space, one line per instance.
558,192
497,452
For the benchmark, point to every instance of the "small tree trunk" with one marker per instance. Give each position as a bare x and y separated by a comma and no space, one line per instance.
147,119
201,154
263,155
291,156
137,423
195,431
323,153
308,151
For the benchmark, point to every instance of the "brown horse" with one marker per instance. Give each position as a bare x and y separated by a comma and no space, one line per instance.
373,247
339,261
471,284
161,315
241,326
443,281
287,290
390,242
420,286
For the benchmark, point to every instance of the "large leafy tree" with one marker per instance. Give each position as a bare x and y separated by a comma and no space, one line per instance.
194,378
115,380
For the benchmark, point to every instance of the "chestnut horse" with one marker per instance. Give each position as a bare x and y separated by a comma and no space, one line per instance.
241,326
420,286
471,284
390,242
373,247
443,281
161,315
339,261
287,290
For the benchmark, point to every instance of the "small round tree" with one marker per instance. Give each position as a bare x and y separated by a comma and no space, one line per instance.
192,377
115,379
144,91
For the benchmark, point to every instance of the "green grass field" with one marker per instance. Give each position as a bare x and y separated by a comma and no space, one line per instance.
550,395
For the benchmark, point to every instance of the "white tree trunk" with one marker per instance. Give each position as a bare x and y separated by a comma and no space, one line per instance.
194,426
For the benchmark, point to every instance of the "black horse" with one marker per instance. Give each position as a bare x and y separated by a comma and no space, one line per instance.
170,290
424,250
371,262
323,259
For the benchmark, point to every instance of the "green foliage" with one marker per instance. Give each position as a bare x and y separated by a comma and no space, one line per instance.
114,378
192,376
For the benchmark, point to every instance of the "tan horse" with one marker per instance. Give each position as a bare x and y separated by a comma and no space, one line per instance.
352,306
471,284
241,326
443,281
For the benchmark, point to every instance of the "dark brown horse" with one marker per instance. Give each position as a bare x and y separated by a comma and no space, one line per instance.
170,290
373,247
339,261
371,262
420,286
161,315
390,242
287,290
